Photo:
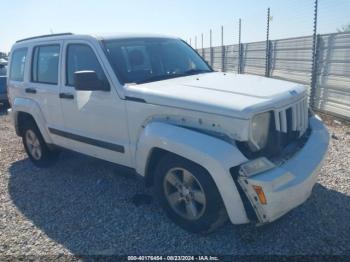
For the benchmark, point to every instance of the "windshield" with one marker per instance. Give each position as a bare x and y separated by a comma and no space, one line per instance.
143,60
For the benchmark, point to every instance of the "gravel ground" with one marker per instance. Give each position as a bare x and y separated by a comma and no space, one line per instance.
86,206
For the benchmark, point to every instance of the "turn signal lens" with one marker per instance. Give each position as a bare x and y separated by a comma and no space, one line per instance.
259,191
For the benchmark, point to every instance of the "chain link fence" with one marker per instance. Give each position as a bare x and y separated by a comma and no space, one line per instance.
319,61
292,60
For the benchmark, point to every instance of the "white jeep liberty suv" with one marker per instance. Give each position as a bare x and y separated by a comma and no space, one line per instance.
214,145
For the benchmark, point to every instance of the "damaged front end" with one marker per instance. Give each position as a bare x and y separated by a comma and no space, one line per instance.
272,186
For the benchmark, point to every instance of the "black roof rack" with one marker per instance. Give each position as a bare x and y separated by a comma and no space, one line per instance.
41,36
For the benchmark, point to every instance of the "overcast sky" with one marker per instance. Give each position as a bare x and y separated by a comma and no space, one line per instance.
183,18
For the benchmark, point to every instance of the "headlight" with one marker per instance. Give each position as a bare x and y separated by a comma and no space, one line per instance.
259,131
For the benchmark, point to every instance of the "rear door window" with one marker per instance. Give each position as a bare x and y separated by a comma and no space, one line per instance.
18,60
45,64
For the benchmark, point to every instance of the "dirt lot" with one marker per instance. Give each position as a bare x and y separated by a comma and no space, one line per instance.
86,206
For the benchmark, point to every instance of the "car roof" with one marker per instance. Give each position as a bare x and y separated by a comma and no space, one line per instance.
65,36
132,36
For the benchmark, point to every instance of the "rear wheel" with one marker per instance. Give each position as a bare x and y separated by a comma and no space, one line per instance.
35,146
189,195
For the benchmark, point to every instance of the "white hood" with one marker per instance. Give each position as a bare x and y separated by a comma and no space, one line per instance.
238,95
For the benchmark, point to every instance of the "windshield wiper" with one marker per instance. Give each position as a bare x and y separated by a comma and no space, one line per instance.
159,77
196,71
169,76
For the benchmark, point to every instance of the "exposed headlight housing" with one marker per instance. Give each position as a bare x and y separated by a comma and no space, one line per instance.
255,166
259,131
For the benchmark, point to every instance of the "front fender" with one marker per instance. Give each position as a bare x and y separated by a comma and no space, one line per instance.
215,155
31,107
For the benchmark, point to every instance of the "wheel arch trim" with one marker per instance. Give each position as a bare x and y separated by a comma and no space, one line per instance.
213,154
29,106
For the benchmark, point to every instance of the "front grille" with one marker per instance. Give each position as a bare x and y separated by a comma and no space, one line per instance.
288,125
293,118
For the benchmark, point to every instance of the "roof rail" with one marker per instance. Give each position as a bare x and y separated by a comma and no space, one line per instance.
41,36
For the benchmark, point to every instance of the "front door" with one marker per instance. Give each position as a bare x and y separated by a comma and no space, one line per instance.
94,121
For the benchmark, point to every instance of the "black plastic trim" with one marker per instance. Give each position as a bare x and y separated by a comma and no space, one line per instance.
30,90
246,203
66,96
135,99
88,140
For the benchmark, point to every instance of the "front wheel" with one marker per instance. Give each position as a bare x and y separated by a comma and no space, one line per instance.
189,195
35,146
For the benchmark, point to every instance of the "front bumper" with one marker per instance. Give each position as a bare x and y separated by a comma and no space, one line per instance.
289,184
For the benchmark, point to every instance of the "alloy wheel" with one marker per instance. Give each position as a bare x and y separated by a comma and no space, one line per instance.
184,193
33,144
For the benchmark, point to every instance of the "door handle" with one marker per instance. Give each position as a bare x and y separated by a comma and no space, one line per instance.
66,96
30,90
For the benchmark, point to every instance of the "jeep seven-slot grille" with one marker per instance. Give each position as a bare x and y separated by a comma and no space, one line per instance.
292,118
288,125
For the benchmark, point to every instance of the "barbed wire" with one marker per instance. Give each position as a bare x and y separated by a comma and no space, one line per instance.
291,18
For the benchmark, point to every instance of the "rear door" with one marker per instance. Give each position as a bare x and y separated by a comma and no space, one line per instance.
44,81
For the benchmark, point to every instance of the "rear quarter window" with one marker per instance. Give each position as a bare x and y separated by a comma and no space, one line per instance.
18,60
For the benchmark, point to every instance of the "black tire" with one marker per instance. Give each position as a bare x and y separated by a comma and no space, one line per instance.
214,214
48,156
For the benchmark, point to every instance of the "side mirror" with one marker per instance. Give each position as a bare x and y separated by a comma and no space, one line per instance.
88,81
